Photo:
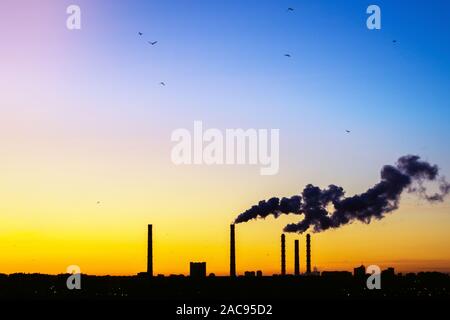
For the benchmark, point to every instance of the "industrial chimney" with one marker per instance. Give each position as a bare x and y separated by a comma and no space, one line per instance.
283,254
150,251
297,259
308,254
232,253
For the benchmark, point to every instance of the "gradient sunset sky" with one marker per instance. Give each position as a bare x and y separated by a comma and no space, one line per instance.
83,119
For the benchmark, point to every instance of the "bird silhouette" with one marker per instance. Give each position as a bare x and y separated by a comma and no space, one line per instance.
290,9
394,41
140,33
162,83
153,42
287,55
348,131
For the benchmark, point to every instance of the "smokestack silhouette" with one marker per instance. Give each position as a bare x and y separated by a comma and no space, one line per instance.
297,258
232,252
308,254
408,174
150,251
283,254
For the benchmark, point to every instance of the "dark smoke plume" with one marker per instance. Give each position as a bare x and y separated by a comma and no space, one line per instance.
410,174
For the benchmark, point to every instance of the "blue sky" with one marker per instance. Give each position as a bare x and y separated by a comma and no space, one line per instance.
223,63
222,59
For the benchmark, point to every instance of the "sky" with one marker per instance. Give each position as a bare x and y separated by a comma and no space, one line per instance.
85,130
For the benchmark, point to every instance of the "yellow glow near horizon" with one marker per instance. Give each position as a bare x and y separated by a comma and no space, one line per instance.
50,218
106,239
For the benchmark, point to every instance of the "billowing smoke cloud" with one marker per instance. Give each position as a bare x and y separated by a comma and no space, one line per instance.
409,174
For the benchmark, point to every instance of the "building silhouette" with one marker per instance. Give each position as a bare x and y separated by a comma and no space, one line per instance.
232,252
197,269
283,254
359,272
296,258
308,254
150,250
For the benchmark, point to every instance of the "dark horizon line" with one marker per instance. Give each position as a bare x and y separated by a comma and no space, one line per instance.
224,275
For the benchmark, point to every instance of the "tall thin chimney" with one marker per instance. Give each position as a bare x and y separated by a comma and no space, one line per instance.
283,254
232,252
297,259
308,253
150,251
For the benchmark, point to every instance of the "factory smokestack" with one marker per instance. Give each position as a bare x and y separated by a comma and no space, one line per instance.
232,253
150,251
283,254
297,259
308,254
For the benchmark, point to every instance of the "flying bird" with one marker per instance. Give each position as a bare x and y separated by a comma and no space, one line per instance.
153,42
140,33
162,83
287,55
348,131
394,41
290,9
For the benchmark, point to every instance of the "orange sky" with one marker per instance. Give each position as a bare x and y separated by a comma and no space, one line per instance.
50,224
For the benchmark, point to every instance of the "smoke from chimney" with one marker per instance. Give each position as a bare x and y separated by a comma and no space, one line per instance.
408,174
